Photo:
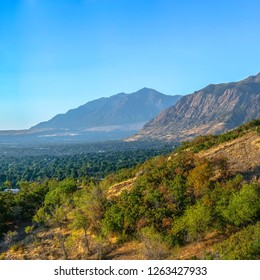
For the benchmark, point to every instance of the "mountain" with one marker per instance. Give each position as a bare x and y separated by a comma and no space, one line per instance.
113,117
211,110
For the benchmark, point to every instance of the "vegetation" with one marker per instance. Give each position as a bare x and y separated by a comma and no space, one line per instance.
166,203
89,162
245,244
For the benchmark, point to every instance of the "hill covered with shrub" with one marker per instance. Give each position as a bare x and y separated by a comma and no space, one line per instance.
197,202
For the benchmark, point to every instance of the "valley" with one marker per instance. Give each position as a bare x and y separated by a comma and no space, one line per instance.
88,185
179,204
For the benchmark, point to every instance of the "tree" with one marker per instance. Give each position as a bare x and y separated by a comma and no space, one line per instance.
8,185
195,221
243,206
154,246
178,190
10,237
113,220
7,206
243,245
80,221
199,178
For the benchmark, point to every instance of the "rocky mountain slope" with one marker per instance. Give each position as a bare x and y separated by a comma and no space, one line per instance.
211,110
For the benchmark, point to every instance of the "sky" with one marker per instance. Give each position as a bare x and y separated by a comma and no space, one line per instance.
56,55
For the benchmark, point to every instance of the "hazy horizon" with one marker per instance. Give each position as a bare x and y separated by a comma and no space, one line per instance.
56,55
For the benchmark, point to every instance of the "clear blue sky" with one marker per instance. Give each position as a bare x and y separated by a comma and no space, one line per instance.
58,54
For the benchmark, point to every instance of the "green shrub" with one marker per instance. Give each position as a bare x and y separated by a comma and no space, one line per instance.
243,206
195,222
154,246
113,220
243,245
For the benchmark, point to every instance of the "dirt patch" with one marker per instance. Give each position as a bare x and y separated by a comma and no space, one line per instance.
133,250
198,249
127,251
117,189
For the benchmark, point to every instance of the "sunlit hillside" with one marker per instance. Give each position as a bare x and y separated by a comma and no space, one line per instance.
201,201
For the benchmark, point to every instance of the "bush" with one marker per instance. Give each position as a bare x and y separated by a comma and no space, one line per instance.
100,247
195,222
243,245
154,246
10,238
243,206
113,220
199,178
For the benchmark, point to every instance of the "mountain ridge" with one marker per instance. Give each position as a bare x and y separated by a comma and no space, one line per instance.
211,110
119,109
107,118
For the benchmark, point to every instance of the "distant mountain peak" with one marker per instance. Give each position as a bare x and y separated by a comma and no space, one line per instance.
121,112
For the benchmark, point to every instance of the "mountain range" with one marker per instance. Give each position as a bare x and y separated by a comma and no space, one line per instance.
110,118
115,112
150,115
211,110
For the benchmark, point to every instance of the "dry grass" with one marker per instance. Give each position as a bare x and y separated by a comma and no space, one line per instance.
243,154
134,250
117,189
127,251
198,249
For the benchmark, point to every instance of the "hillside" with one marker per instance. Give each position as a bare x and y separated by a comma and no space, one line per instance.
211,110
243,154
201,201
241,150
